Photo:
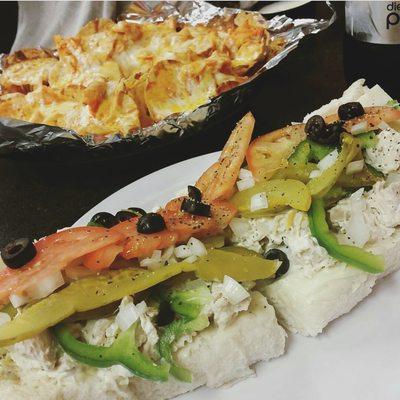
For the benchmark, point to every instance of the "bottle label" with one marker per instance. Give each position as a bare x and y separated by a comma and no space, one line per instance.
374,21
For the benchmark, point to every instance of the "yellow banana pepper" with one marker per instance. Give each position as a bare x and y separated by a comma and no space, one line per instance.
279,192
98,291
321,185
83,295
239,265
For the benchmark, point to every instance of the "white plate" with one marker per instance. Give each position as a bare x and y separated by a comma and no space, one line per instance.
356,358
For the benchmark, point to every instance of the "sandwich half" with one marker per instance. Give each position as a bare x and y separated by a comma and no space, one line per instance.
348,155
139,305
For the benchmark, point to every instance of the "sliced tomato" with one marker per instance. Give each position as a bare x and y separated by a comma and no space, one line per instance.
223,213
218,182
102,258
127,228
174,204
141,245
269,153
55,252
181,227
186,225
373,117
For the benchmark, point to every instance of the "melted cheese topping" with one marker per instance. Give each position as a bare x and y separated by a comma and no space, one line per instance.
116,77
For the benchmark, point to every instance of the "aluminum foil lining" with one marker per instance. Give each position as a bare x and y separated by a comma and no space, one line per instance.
26,137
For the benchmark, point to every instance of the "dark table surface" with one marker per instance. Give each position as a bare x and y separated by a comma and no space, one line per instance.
37,199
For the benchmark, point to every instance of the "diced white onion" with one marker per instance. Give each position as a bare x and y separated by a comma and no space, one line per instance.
245,173
244,184
128,314
4,318
40,290
156,255
392,177
384,126
315,173
18,300
150,262
47,285
168,253
2,265
328,160
258,202
354,167
359,128
240,226
233,291
141,307
183,251
172,260
155,266
197,247
153,261
191,259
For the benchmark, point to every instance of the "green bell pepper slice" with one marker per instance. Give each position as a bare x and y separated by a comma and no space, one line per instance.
188,302
368,139
335,194
173,332
301,154
123,351
351,255
302,161
319,151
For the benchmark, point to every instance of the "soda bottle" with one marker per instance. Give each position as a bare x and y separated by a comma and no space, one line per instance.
372,43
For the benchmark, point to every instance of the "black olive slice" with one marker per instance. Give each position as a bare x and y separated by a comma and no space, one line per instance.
320,132
138,212
276,254
194,193
18,253
151,223
103,219
196,208
350,110
332,134
124,215
315,127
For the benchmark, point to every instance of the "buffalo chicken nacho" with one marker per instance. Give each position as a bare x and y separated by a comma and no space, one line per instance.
149,305
115,77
